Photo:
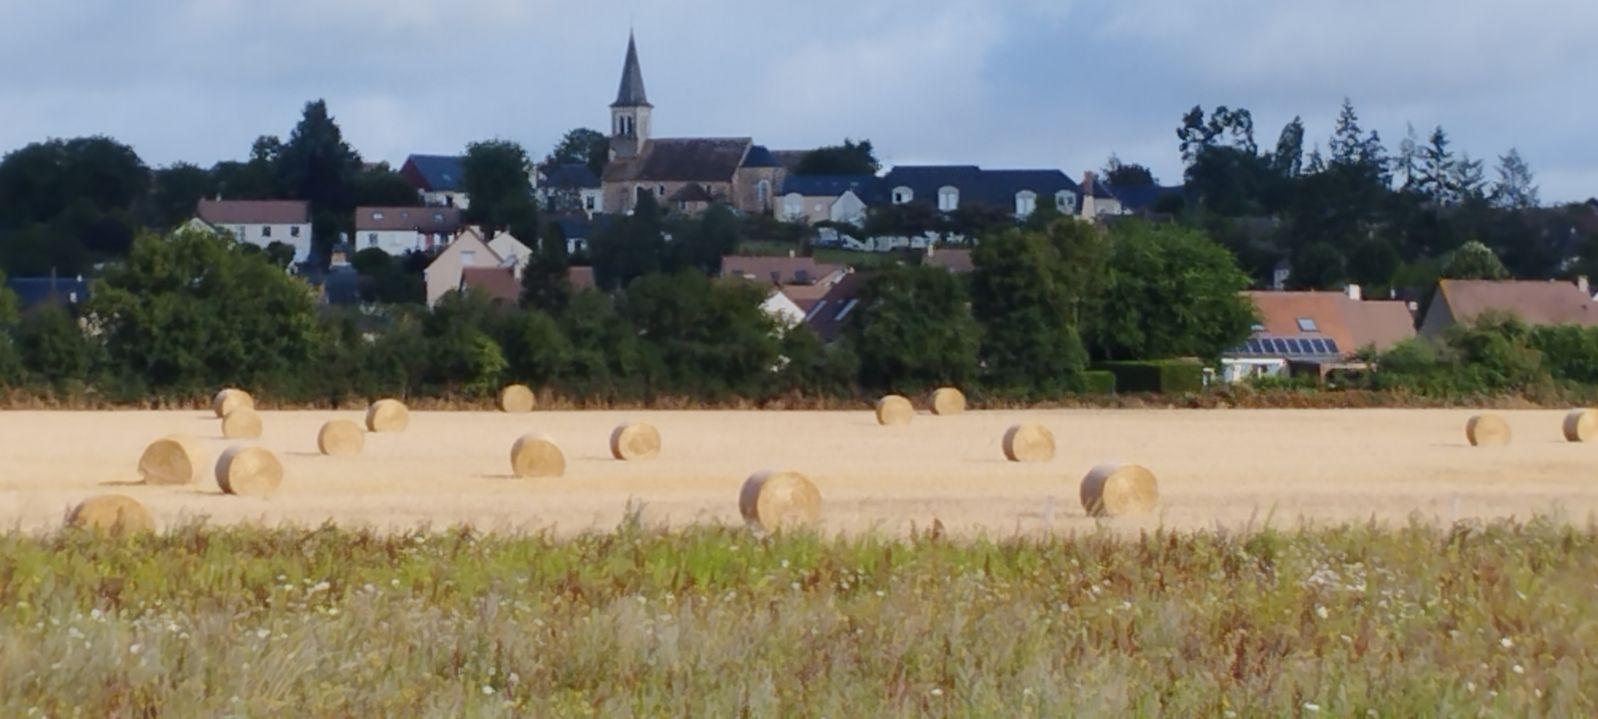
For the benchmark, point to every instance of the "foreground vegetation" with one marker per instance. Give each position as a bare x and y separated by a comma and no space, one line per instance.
1416,621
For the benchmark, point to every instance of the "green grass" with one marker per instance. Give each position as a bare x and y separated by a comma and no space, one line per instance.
831,255
1497,620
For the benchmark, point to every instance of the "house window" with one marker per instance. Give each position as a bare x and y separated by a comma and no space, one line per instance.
793,206
660,190
294,232
948,199
588,203
371,238
902,195
266,230
1307,324
469,257
1026,202
377,215
438,217
763,193
1065,201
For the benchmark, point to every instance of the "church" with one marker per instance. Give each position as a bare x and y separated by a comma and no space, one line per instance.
683,174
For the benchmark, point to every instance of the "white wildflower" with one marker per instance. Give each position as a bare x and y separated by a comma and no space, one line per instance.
487,690
1311,708
1506,642
937,692
135,649
263,633
1321,612
1518,669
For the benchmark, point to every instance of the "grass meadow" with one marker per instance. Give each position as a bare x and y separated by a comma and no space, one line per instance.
1471,620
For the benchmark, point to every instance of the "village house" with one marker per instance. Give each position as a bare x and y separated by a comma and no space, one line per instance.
259,222
686,174
570,188
950,188
440,180
471,261
1316,332
813,199
398,230
1537,302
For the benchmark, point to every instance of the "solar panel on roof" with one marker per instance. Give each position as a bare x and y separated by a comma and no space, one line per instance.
1331,346
1293,347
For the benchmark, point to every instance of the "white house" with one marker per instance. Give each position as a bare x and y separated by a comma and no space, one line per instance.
827,198
260,222
398,230
440,180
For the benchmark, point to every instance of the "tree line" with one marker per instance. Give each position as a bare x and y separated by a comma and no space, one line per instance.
191,311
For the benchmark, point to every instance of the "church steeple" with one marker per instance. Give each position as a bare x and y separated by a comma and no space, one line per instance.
632,92
630,114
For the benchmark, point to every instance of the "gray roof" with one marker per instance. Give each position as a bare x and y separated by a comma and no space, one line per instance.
976,185
866,187
435,173
631,93
570,176
683,160
759,156
61,291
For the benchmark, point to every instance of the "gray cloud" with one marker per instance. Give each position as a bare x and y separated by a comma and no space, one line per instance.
1015,82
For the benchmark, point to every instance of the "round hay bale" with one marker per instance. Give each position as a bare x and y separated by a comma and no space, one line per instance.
1581,425
249,472
773,499
231,399
172,460
634,441
115,514
1120,490
1487,430
387,415
517,399
536,456
1029,443
341,438
242,423
894,411
947,401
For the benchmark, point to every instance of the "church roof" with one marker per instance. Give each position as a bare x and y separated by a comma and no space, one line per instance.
631,93
759,156
683,160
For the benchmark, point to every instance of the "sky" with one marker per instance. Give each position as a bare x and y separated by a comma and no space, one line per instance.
998,83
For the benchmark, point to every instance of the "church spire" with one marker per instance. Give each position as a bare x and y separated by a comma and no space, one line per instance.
632,92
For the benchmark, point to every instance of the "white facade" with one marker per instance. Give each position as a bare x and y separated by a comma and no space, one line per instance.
297,236
447,199
784,310
444,274
399,242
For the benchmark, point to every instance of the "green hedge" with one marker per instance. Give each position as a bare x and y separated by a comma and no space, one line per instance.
1159,377
1098,382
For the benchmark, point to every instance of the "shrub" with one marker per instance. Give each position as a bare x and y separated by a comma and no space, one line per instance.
1159,377
1098,382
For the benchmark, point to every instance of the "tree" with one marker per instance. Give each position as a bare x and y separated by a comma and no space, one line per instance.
708,339
1032,291
701,243
545,283
1436,167
1474,261
497,177
1408,163
89,176
192,311
1288,159
606,360
629,247
582,146
1319,266
1515,188
254,179
316,164
52,345
1170,292
913,330
382,187
1124,176
177,192
850,158
1374,262
1468,182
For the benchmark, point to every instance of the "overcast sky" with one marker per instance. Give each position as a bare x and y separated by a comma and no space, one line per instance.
1000,83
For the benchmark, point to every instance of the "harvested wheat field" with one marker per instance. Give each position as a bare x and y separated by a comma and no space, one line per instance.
1216,469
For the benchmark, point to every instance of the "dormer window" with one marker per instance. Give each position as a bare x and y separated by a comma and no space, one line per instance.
948,199
1026,203
903,195
377,215
1307,324
1065,201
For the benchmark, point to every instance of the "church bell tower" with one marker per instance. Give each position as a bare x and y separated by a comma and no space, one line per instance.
629,115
